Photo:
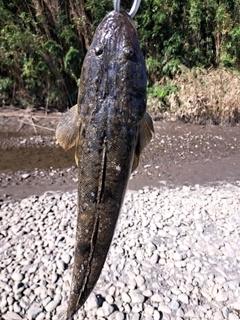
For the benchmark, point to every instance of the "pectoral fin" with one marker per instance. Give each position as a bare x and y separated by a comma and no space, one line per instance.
68,128
77,150
146,131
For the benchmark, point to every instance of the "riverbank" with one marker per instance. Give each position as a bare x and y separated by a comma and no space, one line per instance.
175,255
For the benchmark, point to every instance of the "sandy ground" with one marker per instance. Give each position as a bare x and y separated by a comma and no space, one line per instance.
31,162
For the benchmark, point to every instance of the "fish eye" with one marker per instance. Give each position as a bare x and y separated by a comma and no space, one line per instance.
128,52
98,51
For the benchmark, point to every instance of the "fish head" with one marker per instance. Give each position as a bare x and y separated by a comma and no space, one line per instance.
115,68
116,37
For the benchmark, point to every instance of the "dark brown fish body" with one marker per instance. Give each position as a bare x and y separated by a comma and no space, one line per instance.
109,117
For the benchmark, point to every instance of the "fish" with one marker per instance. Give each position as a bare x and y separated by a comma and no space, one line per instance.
109,127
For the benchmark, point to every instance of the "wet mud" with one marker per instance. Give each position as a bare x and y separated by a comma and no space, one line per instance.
179,154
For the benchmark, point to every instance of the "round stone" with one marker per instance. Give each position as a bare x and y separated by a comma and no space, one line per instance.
221,296
218,316
92,302
16,307
136,296
52,305
11,315
156,315
149,310
33,312
109,299
164,309
107,309
174,305
183,298
126,298
16,276
156,298
233,316
140,280
66,258
147,293
117,315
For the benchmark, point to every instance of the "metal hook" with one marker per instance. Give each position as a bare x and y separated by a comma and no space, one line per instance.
133,10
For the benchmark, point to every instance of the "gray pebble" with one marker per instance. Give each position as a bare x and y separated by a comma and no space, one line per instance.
218,315
233,316
139,280
26,175
52,305
3,303
174,305
107,309
225,312
132,283
33,312
151,246
178,256
11,316
117,316
149,310
136,296
109,299
66,258
41,316
221,296
156,298
156,315
136,316
46,301
164,309
126,298
187,253
183,298
54,277
154,258
10,300
92,302
60,265
16,307
100,312
16,276
180,312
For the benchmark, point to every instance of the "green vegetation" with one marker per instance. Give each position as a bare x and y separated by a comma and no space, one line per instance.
43,44
159,94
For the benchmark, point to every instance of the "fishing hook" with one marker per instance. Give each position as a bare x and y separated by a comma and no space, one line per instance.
133,10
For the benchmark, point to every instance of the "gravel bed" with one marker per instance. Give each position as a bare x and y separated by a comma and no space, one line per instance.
37,141
175,255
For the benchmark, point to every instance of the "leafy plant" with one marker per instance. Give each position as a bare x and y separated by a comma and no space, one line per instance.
43,44
159,95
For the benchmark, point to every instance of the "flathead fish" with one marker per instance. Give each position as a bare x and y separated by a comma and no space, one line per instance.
109,128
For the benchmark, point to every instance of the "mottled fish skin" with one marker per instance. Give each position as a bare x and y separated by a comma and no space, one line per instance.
110,113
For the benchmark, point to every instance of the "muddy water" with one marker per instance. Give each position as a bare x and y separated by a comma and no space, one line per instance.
29,158
179,154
